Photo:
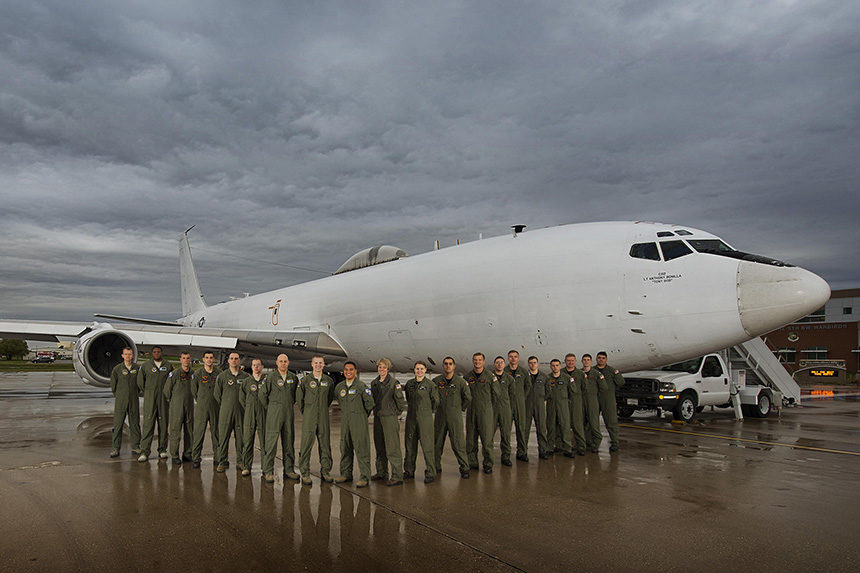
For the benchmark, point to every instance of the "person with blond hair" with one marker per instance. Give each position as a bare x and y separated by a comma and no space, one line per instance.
389,402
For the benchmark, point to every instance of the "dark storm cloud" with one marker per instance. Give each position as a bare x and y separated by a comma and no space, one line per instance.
299,133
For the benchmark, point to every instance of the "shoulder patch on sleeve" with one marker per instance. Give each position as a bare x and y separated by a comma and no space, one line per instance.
367,391
617,372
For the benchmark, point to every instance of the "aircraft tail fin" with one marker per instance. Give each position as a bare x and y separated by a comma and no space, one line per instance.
192,298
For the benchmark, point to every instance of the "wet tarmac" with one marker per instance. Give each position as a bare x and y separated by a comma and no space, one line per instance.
767,495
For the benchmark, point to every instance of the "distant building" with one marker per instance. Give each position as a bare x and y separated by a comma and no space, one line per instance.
823,346
65,350
62,351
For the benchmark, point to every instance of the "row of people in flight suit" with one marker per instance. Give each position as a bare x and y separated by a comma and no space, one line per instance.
564,404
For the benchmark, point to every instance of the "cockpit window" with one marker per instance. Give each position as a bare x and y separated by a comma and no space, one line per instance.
713,246
645,251
683,233
674,249
665,234
717,247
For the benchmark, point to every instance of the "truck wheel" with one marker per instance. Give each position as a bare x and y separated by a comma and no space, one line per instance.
762,407
625,411
685,410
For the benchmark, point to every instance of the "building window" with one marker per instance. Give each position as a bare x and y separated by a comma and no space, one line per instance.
817,316
788,355
815,353
847,310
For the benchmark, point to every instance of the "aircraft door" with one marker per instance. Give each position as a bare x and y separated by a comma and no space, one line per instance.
403,346
640,296
637,307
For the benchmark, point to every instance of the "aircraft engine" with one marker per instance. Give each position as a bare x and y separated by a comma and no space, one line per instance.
97,352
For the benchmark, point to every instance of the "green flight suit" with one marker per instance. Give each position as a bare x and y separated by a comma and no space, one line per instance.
150,380
479,417
558,412
608,379
591,409
536,409
205,411
123,386
577,422
519,391
177,390
454,398
252,398
280,399
356,404
422,399
314,397
388,403
502,417
227,386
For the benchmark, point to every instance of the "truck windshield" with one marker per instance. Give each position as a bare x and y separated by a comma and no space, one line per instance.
690,366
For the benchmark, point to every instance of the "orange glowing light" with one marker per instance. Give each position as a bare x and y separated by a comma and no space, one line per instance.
826,393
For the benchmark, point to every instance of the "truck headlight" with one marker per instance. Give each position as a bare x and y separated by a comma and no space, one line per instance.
666,387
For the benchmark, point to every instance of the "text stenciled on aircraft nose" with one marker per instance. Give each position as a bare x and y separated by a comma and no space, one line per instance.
770,297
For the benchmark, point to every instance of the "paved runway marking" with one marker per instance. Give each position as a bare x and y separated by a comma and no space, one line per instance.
795,446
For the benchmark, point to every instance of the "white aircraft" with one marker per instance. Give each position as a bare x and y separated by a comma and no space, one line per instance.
649,294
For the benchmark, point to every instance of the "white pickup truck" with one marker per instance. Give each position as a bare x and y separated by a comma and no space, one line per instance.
687,387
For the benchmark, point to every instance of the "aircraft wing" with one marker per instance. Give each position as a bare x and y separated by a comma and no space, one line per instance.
43,331
303,340
56,331
147,335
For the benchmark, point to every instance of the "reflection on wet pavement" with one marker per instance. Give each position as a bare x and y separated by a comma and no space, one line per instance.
67,505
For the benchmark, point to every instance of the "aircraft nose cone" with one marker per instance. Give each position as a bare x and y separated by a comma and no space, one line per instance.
770,297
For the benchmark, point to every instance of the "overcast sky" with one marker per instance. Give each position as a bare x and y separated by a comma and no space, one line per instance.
296,133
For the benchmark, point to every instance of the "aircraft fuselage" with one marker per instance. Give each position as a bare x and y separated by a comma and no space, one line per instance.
573,288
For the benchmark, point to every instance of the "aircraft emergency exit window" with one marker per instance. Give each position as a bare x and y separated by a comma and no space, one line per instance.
674,249
645,251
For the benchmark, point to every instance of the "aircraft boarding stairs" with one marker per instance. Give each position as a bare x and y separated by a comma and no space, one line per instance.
763,368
